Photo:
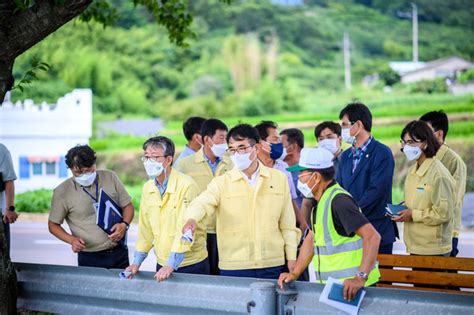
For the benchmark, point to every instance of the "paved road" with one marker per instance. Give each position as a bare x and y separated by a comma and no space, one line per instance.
31,242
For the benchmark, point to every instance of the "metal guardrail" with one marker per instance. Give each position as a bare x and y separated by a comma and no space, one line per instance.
81,290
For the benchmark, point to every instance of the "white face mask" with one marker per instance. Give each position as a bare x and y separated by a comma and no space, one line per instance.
241,161
219,149
346,136
86,179
305,190
412,153
329,144
153,168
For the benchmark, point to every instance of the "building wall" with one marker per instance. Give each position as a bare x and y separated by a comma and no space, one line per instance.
38,137
444,70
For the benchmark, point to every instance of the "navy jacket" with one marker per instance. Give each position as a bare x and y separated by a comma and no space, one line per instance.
371,186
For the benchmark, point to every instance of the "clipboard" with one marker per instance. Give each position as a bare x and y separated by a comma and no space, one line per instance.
108,212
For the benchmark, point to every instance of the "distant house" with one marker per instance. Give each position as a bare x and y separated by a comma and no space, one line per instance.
38,137
402,67
449,67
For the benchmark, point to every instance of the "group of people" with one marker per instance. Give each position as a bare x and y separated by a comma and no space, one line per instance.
254,202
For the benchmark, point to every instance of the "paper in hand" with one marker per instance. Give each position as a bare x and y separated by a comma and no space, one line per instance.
332,296
187,236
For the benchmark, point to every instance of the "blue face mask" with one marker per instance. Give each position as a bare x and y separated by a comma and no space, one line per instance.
276,150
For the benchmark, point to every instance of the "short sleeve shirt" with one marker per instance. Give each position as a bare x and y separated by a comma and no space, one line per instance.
7,171
346,214
71,203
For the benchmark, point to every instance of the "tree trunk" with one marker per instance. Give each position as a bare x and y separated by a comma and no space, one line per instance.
20,30
8,283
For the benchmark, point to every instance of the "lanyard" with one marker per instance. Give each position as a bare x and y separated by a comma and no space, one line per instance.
96,182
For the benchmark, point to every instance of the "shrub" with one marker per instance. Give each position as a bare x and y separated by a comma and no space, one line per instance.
35,201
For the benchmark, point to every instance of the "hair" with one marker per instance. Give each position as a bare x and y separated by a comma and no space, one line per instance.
210,127
192,126
334,127
165,143
420,131
294,136
80,156
358,111
263,126
438,120
242,132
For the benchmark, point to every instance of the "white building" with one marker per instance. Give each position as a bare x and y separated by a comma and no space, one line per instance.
449,67
38,137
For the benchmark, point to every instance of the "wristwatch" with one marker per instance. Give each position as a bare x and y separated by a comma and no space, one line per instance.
127,224
363,276
11,208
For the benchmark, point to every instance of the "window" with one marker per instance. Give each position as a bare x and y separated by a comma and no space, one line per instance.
50,168
38,168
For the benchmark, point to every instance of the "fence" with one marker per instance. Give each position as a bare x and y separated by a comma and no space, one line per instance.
80,290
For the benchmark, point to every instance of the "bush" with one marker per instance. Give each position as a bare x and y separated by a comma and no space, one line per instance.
429,86
35,201
467,76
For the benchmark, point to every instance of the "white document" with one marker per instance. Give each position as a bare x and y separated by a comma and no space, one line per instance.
349,309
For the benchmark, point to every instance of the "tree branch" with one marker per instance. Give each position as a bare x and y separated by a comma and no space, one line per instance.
23,29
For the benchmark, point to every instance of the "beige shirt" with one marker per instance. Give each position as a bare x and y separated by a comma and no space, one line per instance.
456,166
72,203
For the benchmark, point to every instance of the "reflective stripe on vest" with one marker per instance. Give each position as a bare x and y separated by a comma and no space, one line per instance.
347,256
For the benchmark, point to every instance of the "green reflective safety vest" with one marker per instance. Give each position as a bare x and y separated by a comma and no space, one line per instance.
336,256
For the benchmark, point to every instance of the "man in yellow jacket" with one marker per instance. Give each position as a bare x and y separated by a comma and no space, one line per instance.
438,122
255,222
164,199
209,162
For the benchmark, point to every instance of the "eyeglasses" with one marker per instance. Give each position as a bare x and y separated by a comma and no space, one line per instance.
240,150
151,158
409,142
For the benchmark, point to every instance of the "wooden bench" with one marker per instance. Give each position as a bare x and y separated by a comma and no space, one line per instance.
431,273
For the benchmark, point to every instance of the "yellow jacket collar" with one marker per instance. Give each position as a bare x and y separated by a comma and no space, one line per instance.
172,182
421,171
200,158
236,175
442,151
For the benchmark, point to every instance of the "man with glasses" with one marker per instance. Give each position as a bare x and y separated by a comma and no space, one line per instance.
75,200
271,153
256,227
328,136
366,171
164,199
209,162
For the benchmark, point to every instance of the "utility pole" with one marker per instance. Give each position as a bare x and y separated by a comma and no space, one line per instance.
347,61
414,16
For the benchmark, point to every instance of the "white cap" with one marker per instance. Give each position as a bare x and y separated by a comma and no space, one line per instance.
314,159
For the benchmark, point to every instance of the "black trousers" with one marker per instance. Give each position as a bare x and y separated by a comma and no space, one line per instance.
115,258
213,254
200,268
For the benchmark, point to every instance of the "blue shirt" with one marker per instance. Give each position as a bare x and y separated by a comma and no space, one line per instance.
357,153
213,166
162,188
299,196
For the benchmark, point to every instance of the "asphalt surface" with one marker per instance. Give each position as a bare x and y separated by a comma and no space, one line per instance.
31,242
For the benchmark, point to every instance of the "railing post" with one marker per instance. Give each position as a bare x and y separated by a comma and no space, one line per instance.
263,298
